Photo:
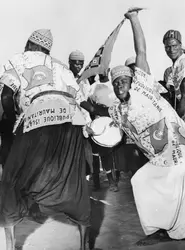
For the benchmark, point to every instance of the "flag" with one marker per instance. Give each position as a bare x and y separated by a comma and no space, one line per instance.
158,136
100,62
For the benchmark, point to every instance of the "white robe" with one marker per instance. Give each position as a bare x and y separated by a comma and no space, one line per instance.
158,186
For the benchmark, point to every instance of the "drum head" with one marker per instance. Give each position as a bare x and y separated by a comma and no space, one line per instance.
106,135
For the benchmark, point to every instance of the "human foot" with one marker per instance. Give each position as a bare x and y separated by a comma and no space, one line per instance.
159,236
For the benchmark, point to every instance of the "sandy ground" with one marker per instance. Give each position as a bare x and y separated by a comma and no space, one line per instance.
115,225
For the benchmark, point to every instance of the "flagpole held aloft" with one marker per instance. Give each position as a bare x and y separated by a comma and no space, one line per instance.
101,60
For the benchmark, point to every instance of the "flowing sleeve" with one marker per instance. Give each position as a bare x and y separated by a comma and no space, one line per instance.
10,76
115,114
147,82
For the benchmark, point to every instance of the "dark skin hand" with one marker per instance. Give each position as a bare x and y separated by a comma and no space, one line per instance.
94,109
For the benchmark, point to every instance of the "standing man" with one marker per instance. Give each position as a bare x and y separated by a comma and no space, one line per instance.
94,151
174,75
102,95
76,63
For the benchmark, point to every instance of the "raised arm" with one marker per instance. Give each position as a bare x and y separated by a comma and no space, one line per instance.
139,41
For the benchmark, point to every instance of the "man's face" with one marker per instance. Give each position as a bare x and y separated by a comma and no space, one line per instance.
76,66
30,46
173,48
121,87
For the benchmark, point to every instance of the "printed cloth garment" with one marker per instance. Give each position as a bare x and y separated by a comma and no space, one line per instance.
32,73
160,133
46,164
85,88
175,74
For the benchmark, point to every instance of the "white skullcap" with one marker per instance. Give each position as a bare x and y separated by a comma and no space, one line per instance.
130,60
76,55
120,71
42,37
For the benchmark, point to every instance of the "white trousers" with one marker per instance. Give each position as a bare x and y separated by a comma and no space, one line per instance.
159,194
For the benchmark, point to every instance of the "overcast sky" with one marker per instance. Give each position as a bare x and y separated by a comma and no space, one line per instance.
85,24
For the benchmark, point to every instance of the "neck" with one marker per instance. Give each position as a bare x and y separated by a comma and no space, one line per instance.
75,74
174,60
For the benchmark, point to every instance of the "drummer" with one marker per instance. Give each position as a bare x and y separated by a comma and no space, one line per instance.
76,63
102,94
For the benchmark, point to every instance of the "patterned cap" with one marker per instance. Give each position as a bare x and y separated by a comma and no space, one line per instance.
42,37
172,34
76,55
120,71
130,60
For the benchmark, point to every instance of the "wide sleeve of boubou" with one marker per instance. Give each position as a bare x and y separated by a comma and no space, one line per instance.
11,70
147,82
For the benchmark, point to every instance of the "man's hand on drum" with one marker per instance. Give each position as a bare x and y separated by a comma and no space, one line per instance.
100,110
89,130
113,124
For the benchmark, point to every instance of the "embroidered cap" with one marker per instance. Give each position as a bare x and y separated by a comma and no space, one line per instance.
76,55
120,71
42,37
130,60
172,34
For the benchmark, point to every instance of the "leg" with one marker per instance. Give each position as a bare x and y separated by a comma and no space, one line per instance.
112,183
117,173
10,239
96,172
107,163
83,237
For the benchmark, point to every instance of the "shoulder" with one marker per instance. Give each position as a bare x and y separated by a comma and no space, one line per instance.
63,68
182,59
63,65
14,60
167,73
140,72
143,77
181,63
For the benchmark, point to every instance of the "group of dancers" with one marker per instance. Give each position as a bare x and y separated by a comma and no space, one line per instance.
47,118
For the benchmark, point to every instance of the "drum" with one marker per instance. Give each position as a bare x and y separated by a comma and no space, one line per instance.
106,134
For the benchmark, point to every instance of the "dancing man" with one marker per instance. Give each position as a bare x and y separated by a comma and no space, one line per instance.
44,173
157,129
